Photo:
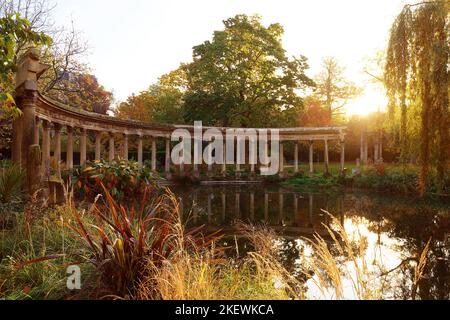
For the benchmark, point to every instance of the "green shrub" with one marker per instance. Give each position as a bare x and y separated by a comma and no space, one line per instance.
122,178
11,182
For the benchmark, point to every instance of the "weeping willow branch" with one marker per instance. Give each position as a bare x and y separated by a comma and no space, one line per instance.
416,73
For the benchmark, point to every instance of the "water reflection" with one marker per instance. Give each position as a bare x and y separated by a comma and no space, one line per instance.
389,232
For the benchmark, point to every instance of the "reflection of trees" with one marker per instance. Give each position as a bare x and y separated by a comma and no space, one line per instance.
416,226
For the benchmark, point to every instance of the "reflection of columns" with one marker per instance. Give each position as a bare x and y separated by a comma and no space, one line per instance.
252,206
181,210
45,148
310,196
83,137
57,152
266,207
167,159
111,147
36,131
296,157
295,206
238,205
224,205
281,205
311,159
140,150
98,145
209,207
194,206
281,157
153,154
327,169
342,155
125,147
69,148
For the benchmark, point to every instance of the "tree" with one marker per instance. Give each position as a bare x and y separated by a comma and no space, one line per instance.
314,114
13,29
83,91
244,78
333,89
417,82
64,55
161,103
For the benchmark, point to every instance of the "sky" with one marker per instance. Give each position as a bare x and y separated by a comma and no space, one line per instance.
132,43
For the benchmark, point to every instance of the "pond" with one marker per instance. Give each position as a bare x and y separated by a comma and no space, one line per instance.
390,230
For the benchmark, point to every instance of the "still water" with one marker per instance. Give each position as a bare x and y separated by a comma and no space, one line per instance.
391,230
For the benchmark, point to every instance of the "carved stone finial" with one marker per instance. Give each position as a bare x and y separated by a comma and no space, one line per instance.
29,70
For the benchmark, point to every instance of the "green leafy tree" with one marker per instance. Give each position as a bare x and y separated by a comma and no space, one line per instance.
333,90
13,29
244,78
417,82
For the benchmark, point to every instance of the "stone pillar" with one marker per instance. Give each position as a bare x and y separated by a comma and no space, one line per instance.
140,158
326,158
98,146
125,147
45,149
380,145
36,130
361,151
167,159
57,152
296,157
33,169
111,147
366,150
83,146
224,164
375,150
311,157
69,148
153,154
28,72
342,155
281,158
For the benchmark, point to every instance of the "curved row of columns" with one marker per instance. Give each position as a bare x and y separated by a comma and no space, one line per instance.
47,127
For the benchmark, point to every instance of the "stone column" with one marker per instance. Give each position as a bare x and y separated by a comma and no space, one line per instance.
57,152
98,146
28,72
281,158
224,164
296,157
311,157
342,155
83,146
327,163
36,130
167,158
366,150
45,148
111,147
361,151
140,158
69,148
153,153
125,147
